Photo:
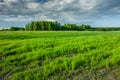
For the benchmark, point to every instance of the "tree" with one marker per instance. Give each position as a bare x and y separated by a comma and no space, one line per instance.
84,27
16,28
54,25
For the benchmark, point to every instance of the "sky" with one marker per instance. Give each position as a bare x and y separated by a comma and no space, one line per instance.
97,13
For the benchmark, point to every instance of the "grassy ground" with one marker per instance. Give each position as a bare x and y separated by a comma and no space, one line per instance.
59,55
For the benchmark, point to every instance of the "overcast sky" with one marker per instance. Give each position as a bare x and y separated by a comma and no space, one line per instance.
92,12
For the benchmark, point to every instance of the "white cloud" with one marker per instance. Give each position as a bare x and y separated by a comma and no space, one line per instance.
88,4
32,5
10,1
69,10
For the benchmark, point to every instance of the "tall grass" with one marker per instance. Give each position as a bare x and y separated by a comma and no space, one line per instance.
49,55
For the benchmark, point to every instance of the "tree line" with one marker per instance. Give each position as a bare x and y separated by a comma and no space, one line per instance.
56,26
53,25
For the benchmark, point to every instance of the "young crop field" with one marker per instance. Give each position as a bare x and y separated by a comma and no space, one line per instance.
59,55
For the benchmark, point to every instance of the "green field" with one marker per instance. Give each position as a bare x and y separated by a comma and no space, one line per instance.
62,55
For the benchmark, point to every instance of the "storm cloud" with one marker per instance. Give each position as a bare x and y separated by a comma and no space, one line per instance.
75,11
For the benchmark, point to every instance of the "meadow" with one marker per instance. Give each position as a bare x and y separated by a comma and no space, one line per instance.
59,55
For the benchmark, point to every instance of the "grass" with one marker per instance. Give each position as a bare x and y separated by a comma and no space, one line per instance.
59,55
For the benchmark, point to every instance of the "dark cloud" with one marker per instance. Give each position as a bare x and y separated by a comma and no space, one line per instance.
42,1
1,0
108,7
68,10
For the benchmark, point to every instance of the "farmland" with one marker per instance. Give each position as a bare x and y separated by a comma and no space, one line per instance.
62,55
